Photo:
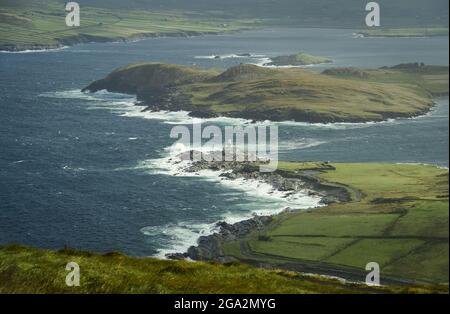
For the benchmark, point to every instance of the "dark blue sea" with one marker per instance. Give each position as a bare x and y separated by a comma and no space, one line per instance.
82,170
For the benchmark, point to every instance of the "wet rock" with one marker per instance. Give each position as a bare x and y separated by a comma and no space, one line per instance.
209,247
177,256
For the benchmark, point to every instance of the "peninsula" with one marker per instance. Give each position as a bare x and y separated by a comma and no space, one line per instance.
38,25
289,94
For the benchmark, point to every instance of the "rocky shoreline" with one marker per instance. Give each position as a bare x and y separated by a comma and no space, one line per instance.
208,247
369,35
85,39
175,102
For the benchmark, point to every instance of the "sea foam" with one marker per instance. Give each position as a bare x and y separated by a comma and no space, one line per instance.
35,50
127,106
185,234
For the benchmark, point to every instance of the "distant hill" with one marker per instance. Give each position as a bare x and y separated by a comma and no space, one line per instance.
39,24
349,13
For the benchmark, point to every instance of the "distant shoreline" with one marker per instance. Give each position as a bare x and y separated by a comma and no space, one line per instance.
85,38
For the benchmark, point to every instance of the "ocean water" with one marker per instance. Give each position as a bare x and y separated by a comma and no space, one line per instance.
90,170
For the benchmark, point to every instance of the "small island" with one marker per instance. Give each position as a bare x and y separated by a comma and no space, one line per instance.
288,94
298,59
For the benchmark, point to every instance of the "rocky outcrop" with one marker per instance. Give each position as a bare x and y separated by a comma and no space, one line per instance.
71,40
148,79
209,247
25,47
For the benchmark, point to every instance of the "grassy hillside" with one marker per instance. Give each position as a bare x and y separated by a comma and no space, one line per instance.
29,270
142,78
317,13
252,92
399,218
433,79
41,24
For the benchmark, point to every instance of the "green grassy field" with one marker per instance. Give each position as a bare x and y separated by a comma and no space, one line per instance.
41,24
398,218
253,92
433,79
29,270
406,32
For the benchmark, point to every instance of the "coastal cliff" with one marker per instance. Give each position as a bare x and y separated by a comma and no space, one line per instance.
305,181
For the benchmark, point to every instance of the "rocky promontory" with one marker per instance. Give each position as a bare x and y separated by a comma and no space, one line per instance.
290,94
209,247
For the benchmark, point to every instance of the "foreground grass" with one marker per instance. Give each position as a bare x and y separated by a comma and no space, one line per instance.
41,24
398,218
29,270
